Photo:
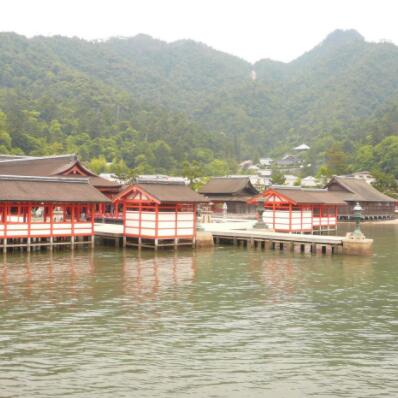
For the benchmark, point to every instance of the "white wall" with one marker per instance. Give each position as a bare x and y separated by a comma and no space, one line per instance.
166,224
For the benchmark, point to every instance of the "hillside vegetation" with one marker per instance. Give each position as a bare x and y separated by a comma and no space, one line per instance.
185,107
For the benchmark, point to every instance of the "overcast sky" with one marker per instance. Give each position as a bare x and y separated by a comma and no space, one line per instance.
252,29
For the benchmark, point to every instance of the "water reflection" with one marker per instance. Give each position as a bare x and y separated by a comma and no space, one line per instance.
146,276
223,322
141,274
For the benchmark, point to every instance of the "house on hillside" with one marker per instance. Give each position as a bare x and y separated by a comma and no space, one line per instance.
309,182
289,161
299,210
301,148
290,180
245,164
266,162
234,191
375,204
363,175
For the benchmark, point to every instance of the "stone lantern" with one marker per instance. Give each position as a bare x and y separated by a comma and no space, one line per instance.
357,234
260,224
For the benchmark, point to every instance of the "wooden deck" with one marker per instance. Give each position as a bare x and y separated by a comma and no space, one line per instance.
242,234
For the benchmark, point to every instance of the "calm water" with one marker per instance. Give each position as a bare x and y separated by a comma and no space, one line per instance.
221,323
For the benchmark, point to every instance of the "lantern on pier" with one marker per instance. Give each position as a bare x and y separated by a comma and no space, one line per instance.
357,218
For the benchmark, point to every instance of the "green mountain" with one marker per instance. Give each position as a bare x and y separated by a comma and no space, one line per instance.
154,105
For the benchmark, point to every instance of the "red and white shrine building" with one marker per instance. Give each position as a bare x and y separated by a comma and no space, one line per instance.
46,211
159,214
300,210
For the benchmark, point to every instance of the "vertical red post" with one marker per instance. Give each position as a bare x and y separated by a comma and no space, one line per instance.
92,218
140,219
273,214
301,219
51,214
194,220
72,219
156,221
176,221
29,218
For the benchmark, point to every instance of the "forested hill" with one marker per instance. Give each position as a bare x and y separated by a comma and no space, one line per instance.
153,105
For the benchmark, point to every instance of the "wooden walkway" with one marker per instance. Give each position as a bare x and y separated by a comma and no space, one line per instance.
300,243
262,239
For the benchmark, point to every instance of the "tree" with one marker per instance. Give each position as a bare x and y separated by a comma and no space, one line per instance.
193,171
217,167
98,165
385,183
5,139
387,155
336,160
277,177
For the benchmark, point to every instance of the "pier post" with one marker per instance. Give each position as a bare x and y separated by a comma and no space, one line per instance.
5,245
307,248
287,246
72,242
297,247
28,244
124,241
267,244
92,243
51,243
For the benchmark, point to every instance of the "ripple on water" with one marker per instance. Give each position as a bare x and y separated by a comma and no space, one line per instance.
227,322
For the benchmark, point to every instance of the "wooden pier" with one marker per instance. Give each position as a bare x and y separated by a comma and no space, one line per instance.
299,243
261,239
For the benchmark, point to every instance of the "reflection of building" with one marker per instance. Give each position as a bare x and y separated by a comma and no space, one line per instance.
374,203
148,276
234,191
159,214
300,210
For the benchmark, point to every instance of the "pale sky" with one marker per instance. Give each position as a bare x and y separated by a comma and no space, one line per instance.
251,29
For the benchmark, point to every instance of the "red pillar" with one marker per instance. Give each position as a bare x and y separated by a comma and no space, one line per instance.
194,220
156,221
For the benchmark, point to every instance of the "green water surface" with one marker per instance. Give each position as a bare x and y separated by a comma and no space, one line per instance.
228,322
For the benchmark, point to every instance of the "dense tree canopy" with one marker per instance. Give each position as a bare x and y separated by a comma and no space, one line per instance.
144,105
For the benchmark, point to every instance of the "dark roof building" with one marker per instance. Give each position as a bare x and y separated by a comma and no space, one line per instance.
375,204
48,189
49,166
234,191
309,196
164,192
